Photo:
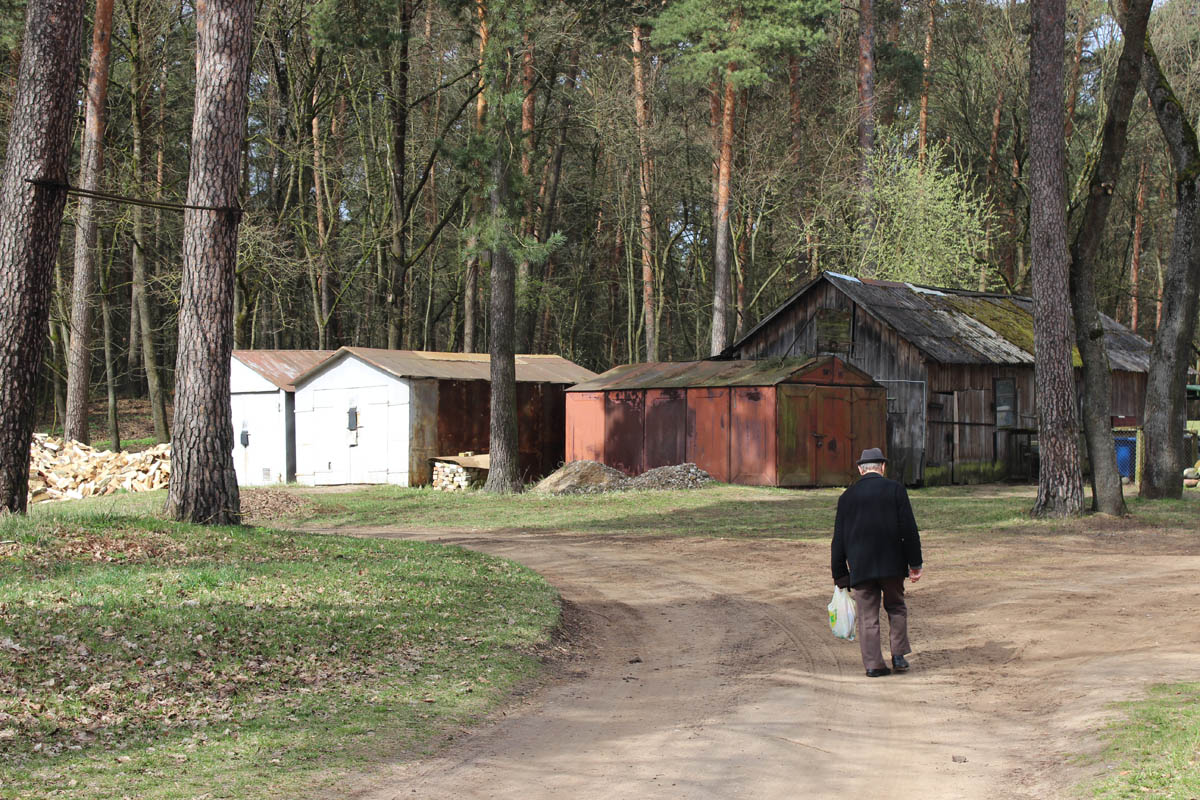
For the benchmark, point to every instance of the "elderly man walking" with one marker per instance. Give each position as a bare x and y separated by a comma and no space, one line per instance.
875,546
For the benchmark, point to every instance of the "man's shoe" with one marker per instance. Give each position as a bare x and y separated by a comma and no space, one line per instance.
899,664
878,673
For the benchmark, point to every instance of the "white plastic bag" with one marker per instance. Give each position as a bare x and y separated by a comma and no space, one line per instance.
842,614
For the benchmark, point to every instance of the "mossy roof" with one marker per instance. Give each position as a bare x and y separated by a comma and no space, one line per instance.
953,326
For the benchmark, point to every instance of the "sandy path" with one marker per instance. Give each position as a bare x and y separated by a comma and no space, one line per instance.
705,669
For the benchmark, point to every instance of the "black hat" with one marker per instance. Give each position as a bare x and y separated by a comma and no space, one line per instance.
872,455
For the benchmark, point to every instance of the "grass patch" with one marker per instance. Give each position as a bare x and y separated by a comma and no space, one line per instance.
720,510
1155,751
127,444
148,659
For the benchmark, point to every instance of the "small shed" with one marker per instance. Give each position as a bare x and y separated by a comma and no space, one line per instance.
774,422
369,415
261,395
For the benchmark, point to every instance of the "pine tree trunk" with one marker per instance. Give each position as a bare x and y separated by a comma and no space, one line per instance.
866,122
1139,218
526,302
471,279
39,141
641,108
110,368
926,73
1107,496
398,253
1166,405
1060,482
721,266
203,485
140,298
504,472
79,359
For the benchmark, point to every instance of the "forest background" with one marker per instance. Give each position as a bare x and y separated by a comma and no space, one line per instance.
679,169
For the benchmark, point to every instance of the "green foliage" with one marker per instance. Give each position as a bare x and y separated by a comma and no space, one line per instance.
928,225
706,36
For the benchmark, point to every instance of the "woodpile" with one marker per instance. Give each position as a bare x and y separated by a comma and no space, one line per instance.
62,469
459,473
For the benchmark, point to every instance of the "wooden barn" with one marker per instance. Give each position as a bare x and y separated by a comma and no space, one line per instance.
368,415
774,422
958,367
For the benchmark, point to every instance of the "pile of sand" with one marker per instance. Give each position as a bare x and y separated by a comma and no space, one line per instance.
592,477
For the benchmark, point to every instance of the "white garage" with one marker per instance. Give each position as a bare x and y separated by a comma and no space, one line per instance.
262,401
367,415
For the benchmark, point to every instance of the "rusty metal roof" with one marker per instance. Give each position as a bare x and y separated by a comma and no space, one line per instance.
954,326
282,367
701,374
457,366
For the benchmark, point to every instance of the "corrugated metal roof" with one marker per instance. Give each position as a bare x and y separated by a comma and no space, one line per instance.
953,326
458,366
282,367
698,374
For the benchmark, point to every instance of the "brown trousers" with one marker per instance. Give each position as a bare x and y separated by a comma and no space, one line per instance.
866,597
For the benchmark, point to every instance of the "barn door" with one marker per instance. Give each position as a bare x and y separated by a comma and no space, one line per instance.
796,442
833,457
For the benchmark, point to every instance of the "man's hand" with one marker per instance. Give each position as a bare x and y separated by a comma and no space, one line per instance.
914,575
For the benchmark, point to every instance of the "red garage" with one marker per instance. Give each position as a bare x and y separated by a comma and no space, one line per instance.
775,422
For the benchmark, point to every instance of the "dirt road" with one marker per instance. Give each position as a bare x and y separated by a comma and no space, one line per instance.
705,669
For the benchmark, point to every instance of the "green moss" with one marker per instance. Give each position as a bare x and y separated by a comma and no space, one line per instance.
967,472
1005,318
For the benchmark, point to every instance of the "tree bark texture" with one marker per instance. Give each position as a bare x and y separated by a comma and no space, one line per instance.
1166,407
1060,482
79,358
1135,263
526,302
926,74
471,279
139,289
866,116
203,485
504,473
1107,496
39,141
721,266
398,253
641,108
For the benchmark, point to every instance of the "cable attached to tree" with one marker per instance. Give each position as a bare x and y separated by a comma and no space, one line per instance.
133,201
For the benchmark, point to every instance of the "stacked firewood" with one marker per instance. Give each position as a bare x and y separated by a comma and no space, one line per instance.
449,477
62,469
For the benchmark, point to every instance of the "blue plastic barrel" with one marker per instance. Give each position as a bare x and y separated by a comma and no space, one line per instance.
1126,455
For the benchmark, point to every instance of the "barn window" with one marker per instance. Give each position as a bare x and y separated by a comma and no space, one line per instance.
833,330
1006,402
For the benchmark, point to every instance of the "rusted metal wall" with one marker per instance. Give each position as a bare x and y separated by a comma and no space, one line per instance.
585,426
666,427
753,443
708,431
464,423
464,416
624,430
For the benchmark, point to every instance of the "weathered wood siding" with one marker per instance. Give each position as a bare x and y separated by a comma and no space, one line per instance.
876,349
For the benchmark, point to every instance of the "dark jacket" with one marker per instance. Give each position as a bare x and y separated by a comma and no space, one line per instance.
875,532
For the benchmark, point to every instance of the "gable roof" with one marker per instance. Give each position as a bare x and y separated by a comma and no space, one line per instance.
713,374
455,366
282,367
955,326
